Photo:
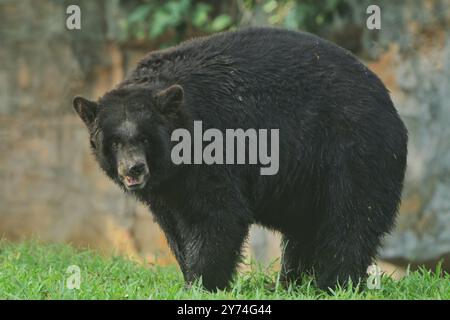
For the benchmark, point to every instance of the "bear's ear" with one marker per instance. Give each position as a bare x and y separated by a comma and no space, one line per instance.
87,110
170,99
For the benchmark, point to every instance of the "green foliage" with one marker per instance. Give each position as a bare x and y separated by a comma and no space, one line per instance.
152,19
31,270
309,15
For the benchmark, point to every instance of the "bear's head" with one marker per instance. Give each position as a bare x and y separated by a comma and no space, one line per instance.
130,131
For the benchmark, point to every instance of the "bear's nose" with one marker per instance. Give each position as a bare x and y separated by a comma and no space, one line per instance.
137,169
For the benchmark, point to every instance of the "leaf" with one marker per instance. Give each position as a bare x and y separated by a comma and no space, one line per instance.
160,22
331,5
200,16
169,15
291,20
270,6
221,22
139,14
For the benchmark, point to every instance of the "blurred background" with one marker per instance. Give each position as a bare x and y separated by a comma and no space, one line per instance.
52,189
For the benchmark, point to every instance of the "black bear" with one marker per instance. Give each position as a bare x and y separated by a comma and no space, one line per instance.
342,152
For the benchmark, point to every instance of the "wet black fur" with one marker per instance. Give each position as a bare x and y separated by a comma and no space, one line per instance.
343,152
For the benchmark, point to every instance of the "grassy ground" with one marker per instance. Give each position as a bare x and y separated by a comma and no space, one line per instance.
35,271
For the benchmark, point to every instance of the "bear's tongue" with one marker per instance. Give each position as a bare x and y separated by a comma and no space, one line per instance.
131,181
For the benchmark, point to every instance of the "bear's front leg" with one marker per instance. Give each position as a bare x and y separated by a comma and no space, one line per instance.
168,221
212,247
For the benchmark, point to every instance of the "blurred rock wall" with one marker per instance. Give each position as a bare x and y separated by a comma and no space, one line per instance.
411,54
51,187
48,175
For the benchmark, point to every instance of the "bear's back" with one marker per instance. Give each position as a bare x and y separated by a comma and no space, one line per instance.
257,65
269,78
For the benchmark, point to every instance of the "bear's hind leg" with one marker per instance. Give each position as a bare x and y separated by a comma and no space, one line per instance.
359,208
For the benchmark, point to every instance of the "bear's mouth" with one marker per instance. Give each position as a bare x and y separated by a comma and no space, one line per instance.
134,183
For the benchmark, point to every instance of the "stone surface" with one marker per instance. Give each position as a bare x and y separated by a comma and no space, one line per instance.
51,187
411,53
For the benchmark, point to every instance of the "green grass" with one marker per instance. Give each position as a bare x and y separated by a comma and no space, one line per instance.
31,270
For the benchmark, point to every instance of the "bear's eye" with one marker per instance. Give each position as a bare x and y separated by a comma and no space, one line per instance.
142,139
93,146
